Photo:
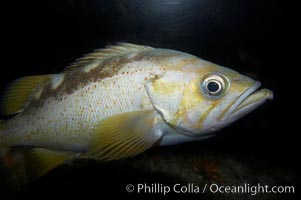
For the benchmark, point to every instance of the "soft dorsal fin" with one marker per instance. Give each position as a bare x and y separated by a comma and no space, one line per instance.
107,52
18,92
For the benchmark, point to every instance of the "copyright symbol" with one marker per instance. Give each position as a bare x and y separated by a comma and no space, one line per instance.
129,188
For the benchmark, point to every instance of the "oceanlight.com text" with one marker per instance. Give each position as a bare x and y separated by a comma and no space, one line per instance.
191,188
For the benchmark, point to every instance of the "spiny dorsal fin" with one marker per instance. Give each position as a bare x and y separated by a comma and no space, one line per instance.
108,52
18,92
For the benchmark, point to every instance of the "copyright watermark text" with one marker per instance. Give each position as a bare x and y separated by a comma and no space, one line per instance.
158,188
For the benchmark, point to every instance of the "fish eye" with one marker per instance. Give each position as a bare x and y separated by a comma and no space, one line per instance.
213,86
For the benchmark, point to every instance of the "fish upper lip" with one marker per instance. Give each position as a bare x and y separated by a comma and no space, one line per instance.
239,104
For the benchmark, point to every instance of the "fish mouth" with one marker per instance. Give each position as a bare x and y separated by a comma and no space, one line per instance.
248,101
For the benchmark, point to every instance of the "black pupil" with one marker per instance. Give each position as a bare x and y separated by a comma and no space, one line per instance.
213,87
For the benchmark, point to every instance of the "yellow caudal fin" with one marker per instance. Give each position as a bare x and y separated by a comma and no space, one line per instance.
22,165
18,92
124,135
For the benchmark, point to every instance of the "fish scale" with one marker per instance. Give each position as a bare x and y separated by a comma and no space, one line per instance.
79,113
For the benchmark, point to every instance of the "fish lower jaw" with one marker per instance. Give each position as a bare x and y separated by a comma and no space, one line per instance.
249,104
240,101
257,97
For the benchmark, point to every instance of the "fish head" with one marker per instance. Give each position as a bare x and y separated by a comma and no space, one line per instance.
202,99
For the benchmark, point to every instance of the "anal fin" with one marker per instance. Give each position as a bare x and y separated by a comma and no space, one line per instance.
23,164
39,161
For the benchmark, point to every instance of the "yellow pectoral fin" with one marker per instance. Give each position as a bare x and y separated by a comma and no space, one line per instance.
39,161
124,135
18,92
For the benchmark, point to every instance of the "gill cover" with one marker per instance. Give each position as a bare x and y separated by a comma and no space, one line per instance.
172,94
165,93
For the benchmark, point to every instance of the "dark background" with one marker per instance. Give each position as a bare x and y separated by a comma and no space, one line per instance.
254,37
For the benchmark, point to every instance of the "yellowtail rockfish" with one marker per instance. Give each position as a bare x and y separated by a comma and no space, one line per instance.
118,102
